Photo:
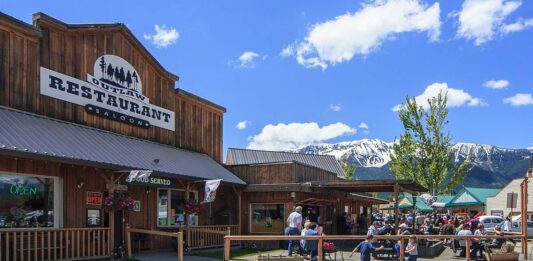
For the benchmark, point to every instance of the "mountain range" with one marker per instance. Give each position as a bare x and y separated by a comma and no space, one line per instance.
492,167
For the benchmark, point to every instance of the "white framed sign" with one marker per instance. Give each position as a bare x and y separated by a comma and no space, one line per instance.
114,92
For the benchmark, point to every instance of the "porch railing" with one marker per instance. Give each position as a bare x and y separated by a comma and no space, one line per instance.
209,236
55,244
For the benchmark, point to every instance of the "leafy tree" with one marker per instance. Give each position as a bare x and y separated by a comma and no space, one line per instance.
135,80
122,76
349,169
424,152
117,74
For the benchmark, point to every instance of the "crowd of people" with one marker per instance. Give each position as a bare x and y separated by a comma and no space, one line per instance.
410,224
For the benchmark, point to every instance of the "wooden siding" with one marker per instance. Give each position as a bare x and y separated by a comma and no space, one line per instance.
285,172
198,124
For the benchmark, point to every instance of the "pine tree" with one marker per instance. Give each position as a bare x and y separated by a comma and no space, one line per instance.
117,75
102,66
424,152
122,76
349,170
135,81
128,79
110,71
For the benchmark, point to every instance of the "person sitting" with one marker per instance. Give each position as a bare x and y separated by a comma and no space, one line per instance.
447,229
498,242
465,231
311,246
479,243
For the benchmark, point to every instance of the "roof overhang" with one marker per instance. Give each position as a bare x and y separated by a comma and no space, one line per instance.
359,186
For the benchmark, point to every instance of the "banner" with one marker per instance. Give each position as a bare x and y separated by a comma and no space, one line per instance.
138,174
211,190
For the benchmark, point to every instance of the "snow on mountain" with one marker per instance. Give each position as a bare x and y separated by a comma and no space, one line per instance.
377,153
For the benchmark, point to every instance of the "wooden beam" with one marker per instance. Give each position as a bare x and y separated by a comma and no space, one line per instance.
396,207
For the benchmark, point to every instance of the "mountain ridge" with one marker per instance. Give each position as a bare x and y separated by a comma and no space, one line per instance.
492,166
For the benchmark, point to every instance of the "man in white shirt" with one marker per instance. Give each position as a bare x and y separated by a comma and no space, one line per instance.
464,232
294,226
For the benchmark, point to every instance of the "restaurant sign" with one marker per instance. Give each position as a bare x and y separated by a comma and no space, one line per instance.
114,92
151,181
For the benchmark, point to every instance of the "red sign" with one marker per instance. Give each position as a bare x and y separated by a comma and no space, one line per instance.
94,198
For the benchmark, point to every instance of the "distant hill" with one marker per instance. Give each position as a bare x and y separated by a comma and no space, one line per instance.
494,167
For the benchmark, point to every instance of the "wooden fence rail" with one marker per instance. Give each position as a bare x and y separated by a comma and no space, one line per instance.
321,239
178,236
55,244
209,236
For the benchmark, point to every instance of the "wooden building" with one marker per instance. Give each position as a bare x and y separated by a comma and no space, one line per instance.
280,181
80,106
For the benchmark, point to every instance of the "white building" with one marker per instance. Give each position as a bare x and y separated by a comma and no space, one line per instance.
497,205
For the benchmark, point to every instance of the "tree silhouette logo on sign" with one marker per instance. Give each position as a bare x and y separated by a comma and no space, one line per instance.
118,76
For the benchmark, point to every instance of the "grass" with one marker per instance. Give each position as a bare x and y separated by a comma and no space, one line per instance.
236,253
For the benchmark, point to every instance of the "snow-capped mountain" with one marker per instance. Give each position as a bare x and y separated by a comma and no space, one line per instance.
492,166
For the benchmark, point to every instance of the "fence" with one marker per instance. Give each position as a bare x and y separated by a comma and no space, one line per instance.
208,236
55,244
178,236
321,239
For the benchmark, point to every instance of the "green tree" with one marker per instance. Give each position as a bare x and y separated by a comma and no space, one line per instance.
424,152
349,169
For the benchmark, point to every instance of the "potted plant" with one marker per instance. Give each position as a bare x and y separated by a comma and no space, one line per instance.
118,201
505,253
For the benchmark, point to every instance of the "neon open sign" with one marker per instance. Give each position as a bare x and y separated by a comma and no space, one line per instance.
23,190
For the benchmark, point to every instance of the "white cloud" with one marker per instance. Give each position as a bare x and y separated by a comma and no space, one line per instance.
363,125
294,135
335,107
359,33
530,146
517,26
496,84
456,97
519,99
163,37
247,59
242,125
482,20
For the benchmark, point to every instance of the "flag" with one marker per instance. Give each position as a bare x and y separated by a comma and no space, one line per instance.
138,174
211,190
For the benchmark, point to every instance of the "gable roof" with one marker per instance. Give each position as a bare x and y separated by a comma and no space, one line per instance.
420,205
246,157
479,195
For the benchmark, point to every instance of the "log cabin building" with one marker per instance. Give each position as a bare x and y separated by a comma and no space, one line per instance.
280,181
80,106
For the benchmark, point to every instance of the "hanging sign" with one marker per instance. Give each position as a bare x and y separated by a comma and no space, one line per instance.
94,198
158,182
211,190
115,87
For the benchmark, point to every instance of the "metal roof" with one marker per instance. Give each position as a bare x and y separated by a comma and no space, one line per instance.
246,157
34,136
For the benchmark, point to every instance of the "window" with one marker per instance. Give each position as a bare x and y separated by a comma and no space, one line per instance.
29,201
267,218
171,207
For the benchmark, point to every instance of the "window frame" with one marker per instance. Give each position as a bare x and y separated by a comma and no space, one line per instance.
58,196
250,219
169,198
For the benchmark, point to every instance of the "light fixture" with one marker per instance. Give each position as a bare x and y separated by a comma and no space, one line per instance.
293,194
530,173
156,161
80,185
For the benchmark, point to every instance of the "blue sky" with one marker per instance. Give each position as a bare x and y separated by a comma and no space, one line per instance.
302,72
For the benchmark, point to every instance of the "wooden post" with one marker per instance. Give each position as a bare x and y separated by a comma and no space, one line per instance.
187,230
239,209
467,251
396,207
414,210
523,210
180,246
402,249
128,240
227,244
320,248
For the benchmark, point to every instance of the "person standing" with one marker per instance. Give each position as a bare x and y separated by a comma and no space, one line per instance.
366,248
294,226
507,224
412,248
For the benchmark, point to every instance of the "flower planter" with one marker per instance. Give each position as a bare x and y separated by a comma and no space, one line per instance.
501,256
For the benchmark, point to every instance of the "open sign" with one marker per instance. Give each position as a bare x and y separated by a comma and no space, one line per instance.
94,198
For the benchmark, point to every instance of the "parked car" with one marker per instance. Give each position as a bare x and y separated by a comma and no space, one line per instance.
516,226
490,221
